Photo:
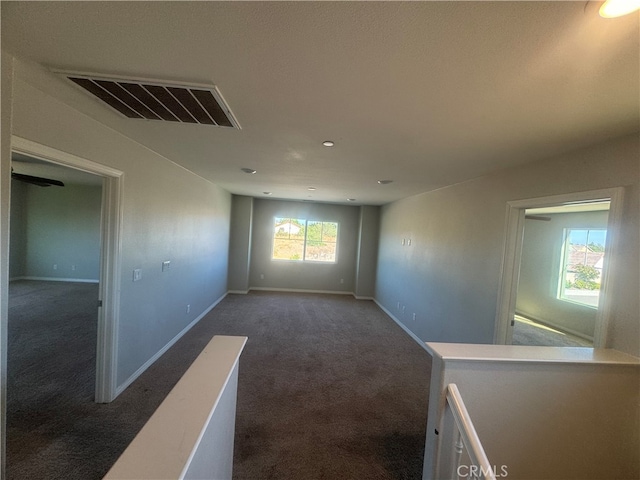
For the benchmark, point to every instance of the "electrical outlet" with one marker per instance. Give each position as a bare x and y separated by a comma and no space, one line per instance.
73,268
166,265
403,308
137,274
55,266
409,242
188,308
342,280
414,317
262,276
403,240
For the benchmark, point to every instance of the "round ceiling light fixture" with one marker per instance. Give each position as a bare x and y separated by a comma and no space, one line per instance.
618,8
328,143
267,193
312,189
351,199
248,170
385,182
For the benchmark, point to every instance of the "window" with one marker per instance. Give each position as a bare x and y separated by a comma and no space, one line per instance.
582,263
297,239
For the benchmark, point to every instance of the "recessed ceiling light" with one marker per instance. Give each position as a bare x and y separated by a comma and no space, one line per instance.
351,199
311,189
618,8
385,182
267,193
248,170
328,143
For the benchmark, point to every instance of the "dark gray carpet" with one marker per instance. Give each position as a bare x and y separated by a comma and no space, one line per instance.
329,388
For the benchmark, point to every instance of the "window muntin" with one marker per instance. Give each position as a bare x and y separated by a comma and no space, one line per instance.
302,240
582,264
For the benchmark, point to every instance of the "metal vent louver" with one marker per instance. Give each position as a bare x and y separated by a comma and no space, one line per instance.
151,100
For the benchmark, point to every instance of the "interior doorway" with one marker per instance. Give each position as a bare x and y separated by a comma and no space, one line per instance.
109,263
557,269
54,274
563,253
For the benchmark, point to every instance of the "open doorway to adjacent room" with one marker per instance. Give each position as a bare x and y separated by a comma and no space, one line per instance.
54,273
557,270
96,252
64,257
563,253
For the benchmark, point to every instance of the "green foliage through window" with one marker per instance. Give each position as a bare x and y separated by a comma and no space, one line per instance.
297,239
583,258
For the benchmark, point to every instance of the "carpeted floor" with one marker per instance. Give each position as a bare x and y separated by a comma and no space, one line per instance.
529,332
329,388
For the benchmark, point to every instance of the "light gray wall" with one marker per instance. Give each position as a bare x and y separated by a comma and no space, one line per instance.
6,94
303,275
449,274
369,231
240,243
18,233
553,419
61,227
542,248
168,214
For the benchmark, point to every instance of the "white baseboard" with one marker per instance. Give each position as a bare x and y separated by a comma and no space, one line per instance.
358,297
299,290
267,289
403,326
57,279
151,361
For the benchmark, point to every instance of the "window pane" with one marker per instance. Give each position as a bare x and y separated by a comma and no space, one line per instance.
288,239
582,269
314,232
300,240
321,241
284,249
330,232
321,252
289,228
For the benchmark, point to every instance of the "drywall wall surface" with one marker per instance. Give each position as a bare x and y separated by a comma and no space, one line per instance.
169,214
6,90
18,233
543,419
449,275
63,232
367,251
540,272
297,274
240,243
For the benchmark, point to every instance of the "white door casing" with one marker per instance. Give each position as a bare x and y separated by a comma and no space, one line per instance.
510,271
110,257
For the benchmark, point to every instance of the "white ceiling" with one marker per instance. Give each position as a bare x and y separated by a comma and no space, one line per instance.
428,94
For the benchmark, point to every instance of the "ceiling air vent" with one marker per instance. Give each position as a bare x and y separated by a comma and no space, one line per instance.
150,100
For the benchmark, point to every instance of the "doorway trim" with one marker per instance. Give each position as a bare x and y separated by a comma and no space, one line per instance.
512,253
110,257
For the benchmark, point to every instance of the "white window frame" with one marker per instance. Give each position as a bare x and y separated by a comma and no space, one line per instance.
304,258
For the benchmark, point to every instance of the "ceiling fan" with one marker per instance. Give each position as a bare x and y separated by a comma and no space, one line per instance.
39,181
